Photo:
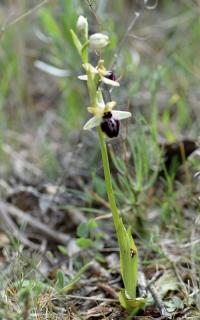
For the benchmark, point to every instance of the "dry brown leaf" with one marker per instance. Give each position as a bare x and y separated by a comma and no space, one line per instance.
98,311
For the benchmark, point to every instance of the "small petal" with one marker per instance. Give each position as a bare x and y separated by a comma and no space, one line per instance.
110,82
119,115
109,106
97,111
101,69
92,123
83,77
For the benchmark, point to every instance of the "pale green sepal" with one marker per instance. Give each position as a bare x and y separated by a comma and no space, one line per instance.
120,115
83,77
131,305
76,41
93,122
110,82
128,260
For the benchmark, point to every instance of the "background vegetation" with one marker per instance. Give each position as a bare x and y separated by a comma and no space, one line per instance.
51,171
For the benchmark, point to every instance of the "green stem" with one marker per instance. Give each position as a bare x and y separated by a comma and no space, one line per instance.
108,182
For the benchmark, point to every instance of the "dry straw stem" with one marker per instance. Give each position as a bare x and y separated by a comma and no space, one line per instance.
21,17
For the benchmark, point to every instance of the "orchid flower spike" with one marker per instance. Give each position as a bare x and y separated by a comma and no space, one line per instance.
105,117
106,76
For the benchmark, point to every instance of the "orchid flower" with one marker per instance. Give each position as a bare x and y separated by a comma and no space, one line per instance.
106,117
106,76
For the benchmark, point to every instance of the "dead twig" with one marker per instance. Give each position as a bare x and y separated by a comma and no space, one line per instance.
179,277
38,225
143,286
158,301
108,290
13,229
128,30
91,298
22,16
189,244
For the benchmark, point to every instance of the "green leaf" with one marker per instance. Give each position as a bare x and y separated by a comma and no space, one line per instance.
92,224
49,254
131,305
24,293
128,260
83,230
60,279
84,243
63,250
77,43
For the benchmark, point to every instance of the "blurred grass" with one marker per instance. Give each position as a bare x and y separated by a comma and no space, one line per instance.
159,69
45,36
159,72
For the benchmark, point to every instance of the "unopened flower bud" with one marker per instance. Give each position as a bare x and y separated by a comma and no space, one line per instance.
98,41
82,24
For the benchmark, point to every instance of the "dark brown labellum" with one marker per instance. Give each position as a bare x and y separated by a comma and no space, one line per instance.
110,75
109,125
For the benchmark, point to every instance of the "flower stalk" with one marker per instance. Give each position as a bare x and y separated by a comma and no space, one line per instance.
109,188
106,120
